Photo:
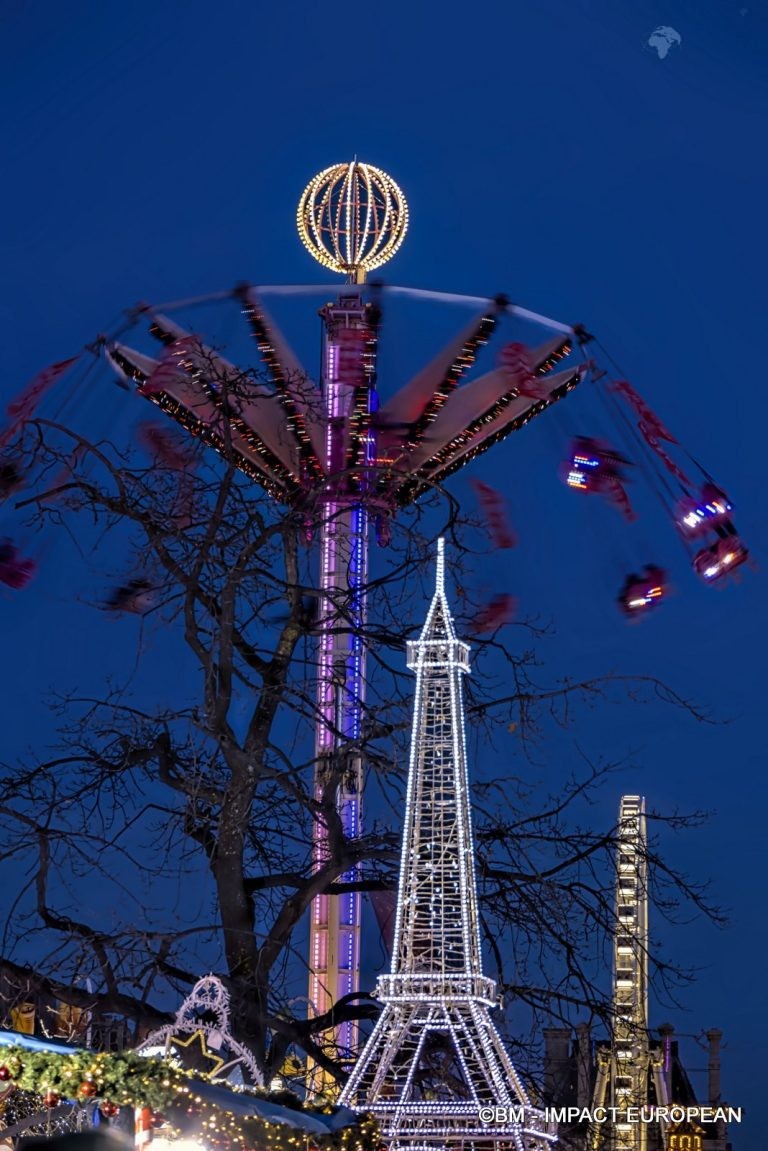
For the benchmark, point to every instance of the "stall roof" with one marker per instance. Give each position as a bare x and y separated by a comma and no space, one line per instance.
239,1102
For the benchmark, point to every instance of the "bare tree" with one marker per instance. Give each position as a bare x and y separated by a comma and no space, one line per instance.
192,819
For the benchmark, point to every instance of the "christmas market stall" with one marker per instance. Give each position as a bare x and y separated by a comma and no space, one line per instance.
184,1085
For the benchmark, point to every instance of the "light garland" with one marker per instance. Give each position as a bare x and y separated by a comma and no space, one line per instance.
127,1079
198,370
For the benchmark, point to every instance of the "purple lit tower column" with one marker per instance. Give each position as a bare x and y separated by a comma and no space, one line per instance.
348,389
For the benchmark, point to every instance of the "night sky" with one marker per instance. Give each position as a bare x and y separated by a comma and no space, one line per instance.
157,150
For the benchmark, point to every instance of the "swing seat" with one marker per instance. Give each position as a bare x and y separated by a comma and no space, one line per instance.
696,517
641,593
719,559
591,464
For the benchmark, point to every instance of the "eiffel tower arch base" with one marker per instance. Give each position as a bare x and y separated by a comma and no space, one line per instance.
433,1073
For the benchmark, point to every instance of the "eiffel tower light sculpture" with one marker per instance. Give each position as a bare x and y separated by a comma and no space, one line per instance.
435,1067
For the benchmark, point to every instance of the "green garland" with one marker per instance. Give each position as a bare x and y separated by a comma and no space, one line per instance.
127,1079
131,1080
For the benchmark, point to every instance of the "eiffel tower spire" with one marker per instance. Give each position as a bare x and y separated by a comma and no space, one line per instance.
435,1063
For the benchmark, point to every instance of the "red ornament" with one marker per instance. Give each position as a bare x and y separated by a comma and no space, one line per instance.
51,1099
5,1074
87,1088
109,1110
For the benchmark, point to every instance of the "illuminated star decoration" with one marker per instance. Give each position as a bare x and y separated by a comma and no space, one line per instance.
198,1055
204,1018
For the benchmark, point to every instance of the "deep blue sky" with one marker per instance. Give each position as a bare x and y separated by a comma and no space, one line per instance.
157,150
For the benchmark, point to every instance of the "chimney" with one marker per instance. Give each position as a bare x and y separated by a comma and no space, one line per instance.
557,1057
583,1065
714,1037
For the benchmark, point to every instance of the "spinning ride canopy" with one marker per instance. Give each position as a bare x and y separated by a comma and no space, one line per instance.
269,421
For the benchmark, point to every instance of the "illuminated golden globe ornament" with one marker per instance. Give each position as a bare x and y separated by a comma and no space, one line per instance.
352,218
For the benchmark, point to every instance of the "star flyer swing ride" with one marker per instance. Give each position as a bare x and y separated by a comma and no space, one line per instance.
345,459
360,460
